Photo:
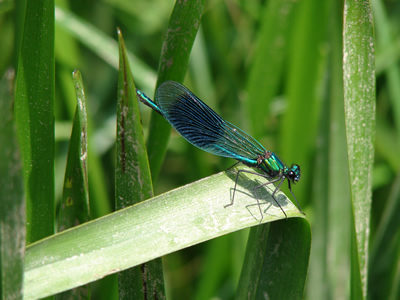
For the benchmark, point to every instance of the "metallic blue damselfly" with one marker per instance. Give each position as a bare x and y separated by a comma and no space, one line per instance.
205,129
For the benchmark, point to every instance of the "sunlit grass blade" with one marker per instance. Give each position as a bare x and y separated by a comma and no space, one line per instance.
178,219
133,180
359,99
34,108
12,201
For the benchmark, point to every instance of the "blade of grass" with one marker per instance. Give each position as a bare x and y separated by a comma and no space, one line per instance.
316,283
216,259
385,248
385,41
12,203
68,56
74,207
164,224
339,212
387,143
359,99
104,46
20,7
34,108
276,262
133,180
178,42
306,60
395,286
265,73
69,30
262,86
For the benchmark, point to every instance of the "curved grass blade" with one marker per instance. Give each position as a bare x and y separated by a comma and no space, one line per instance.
129,237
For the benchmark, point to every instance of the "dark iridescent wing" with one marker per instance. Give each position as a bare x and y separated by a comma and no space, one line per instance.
203,127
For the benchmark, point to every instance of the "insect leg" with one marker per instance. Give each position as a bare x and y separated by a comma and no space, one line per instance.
298,205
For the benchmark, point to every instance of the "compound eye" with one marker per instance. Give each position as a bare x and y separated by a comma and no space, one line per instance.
294,173
293,176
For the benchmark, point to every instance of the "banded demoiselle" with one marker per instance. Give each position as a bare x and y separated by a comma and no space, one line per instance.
205,129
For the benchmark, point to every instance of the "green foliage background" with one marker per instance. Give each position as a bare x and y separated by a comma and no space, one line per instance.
273,68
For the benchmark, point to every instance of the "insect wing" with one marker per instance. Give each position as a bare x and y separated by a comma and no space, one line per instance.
203,127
